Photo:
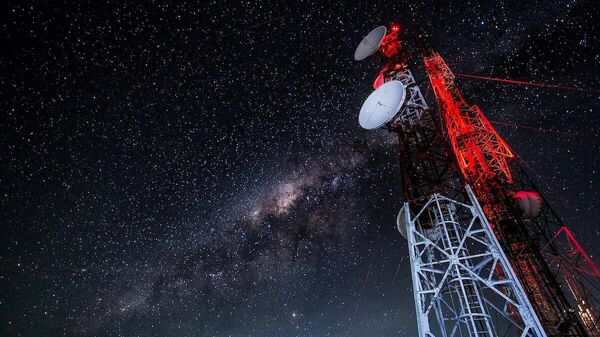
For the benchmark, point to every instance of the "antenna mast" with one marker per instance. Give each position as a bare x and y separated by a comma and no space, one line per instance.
481,238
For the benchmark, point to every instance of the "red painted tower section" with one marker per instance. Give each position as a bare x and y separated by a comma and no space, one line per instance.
484,161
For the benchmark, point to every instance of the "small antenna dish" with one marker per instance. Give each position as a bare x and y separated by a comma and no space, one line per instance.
382,105
370,43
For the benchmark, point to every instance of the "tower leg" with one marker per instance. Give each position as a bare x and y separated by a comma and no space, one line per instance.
463,283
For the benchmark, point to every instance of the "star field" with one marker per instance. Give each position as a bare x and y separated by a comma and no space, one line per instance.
197,169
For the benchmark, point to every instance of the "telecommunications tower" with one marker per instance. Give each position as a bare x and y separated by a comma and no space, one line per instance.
489,257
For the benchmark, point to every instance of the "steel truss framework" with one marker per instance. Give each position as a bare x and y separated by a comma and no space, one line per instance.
425,162
463,282
572,268
483,158
480,152
436,161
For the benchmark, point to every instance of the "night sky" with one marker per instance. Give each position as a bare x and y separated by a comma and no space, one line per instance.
197,169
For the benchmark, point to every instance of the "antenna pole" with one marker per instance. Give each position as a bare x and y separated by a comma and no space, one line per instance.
482,264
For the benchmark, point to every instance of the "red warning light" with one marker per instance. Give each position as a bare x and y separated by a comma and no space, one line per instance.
390,46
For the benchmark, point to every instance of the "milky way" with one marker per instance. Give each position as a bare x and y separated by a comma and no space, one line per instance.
197,169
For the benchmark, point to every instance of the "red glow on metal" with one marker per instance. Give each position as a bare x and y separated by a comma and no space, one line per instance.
480,152
379,80
574,260
390,46
533,84
525,194
575,249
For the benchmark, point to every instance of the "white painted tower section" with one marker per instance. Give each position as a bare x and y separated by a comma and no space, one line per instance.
463,283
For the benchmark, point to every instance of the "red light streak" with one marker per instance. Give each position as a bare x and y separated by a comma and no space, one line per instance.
579,250
533,84
548,130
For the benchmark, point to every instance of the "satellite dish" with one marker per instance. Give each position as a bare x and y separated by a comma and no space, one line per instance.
401,222
382,105
530,203
370,43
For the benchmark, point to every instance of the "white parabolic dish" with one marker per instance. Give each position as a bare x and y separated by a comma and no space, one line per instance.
370,43
382,105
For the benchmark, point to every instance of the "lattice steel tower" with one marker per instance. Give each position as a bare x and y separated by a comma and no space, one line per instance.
485,247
